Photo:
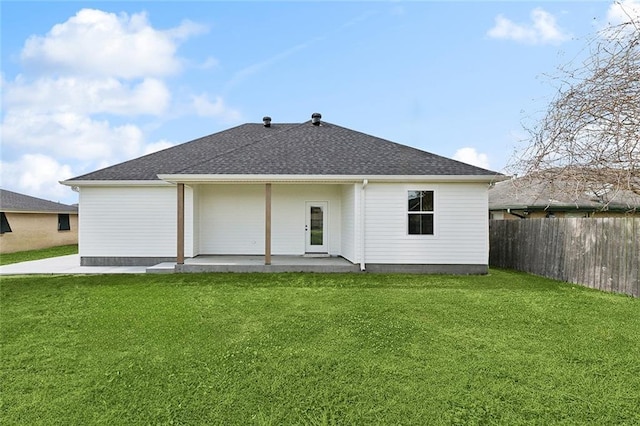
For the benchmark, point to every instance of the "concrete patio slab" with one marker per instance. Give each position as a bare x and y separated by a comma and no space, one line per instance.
69,264
256,264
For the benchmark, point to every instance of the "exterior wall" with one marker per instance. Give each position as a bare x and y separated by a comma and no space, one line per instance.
616,214
232,218
541,214
119,224
460,225
132,222
195,221
350,208
31,231
289,216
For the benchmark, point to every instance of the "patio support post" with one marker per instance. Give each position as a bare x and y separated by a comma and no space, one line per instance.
180,256
267,224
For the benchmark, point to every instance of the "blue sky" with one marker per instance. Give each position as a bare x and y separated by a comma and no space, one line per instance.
90,84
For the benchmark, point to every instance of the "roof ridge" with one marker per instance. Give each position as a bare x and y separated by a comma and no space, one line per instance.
257,140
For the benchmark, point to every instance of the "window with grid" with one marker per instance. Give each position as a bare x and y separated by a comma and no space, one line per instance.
420,213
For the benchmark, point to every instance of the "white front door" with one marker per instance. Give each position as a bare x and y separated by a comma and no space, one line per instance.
316,227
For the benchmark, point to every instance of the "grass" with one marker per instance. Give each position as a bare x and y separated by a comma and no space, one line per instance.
24,256
274,349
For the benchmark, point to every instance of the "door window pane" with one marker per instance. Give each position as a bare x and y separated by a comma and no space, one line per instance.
317,219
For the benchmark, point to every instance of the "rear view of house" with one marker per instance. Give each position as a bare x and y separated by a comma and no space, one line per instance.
301,189
30,223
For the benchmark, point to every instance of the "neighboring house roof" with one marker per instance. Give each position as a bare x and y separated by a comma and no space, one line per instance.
541,194
14,202
286,149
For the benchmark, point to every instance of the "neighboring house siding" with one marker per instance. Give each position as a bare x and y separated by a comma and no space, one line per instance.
31,231
461,225
541,214
132,221
232,218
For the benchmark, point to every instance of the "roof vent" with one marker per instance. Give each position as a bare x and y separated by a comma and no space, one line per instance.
266,121
315,118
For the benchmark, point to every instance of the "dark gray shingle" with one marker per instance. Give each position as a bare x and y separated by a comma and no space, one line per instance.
14,202
287,149
540,194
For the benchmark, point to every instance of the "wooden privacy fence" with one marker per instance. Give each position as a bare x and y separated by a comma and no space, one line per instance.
601,253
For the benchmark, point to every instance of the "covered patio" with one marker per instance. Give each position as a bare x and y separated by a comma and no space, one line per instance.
256,263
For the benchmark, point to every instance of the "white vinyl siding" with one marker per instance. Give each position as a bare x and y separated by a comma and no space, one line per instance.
232,217
132,221
460,225
350,208
140,221
288,216
195,224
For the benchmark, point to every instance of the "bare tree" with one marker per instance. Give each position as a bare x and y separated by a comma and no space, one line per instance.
589,135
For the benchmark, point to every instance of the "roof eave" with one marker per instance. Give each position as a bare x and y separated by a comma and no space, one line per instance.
79,183
258,178
6,210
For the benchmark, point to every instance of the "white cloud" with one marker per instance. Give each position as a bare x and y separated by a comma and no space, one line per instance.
85,84
37,175
71,136
471,156
157,146
87,96
543,29
205,108
619,17
98,43
623,11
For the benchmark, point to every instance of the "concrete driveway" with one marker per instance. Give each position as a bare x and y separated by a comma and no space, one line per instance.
66,265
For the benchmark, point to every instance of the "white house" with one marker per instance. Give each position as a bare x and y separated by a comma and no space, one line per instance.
271,189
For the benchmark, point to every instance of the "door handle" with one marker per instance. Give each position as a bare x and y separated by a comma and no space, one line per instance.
306,227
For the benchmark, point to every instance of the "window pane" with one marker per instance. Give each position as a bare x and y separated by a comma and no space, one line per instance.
5,224
414,201
414,224
427,201
63,222
421,224
426,224
317,226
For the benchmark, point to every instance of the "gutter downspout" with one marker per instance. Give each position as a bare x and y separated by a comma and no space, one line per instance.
365,182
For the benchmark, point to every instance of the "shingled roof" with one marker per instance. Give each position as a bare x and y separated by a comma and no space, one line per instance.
287,149
531,193
14,202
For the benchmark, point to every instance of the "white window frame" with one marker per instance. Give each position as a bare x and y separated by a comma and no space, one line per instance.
433,212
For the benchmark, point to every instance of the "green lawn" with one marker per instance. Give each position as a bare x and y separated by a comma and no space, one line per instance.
507,348
24,256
